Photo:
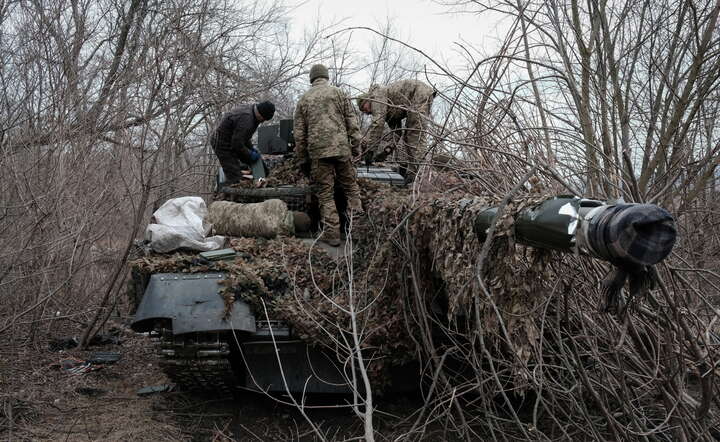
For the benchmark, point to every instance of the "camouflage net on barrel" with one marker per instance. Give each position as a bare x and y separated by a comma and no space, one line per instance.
437,235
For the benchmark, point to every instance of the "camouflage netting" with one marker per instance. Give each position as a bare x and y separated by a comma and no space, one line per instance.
523,328
274,275
517,329
302,285
437,235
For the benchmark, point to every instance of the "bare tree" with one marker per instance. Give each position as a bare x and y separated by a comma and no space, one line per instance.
107,107
605,100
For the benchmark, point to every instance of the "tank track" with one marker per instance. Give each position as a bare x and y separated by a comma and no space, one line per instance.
196,362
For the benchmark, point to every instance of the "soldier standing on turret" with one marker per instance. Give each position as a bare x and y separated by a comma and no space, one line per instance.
410,100
327,135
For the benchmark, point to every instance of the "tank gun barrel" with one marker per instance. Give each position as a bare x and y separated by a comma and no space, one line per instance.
621,233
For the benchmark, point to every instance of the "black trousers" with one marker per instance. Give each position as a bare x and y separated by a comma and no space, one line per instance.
230,160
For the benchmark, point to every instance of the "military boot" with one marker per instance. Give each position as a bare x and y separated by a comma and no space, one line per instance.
331,238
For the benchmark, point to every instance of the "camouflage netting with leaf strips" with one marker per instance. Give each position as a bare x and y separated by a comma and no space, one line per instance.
302,285
524,330
437,234
299,283
521,325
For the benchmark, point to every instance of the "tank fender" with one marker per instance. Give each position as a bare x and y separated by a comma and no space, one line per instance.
192,302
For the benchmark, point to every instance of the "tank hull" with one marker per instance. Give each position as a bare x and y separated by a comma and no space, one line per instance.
203,349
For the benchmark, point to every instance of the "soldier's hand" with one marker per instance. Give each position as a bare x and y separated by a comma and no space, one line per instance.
254,154
305,168
382,155
368,157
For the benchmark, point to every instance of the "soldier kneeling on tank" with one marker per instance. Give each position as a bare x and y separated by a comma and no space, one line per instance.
231,140
327,136
409,100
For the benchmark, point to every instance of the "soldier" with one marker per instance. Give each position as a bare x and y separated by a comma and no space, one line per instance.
405,99
326,135
231,139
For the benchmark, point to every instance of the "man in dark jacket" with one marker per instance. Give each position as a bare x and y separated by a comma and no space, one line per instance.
231,139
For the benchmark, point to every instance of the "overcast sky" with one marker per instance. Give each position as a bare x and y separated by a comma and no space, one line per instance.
424,24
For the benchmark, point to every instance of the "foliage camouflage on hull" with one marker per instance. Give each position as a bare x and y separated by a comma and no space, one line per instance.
303,285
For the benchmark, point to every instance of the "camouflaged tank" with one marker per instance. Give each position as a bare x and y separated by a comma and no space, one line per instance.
205,346
202,349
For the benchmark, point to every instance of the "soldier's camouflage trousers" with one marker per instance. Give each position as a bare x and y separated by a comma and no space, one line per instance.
324,172
413,140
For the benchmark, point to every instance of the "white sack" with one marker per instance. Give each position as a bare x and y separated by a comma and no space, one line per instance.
180,223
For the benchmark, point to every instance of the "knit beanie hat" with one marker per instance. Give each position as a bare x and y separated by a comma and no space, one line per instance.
317,71
266,109
361,99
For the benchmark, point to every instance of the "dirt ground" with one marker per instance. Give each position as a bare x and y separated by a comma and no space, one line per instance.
40,401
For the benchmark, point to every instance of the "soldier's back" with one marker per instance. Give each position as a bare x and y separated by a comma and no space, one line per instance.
321,97
323,107
404,91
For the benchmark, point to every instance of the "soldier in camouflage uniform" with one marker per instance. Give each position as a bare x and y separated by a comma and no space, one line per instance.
410,100
326,135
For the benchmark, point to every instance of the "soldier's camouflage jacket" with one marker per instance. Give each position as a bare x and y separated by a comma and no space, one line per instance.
325,124
390,104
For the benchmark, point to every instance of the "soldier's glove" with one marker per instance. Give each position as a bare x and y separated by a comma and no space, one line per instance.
382,155
254,154
305,168
368,157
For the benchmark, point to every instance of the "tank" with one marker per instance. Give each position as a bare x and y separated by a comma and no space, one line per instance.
203,346
202,350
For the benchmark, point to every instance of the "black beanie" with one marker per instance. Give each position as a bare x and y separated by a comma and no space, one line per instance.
266,109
